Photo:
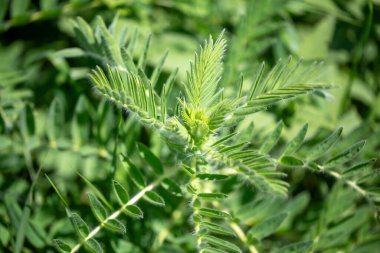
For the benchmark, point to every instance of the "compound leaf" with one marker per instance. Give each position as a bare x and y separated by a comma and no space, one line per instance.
346,155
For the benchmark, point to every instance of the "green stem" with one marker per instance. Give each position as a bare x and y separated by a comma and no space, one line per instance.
350,183
194,183
240,233
115,214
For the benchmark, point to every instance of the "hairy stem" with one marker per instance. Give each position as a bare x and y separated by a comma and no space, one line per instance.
240,233
194,183
350,183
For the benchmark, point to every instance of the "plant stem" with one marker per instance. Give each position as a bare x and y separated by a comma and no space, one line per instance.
115,214
350,183
195,184
240,233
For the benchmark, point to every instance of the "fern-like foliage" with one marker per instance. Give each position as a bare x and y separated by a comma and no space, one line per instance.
126,83
100,206
209,222
286,80
205,73
129,91
199,130
319,159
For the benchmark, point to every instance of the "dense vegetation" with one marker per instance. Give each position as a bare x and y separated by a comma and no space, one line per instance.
267,141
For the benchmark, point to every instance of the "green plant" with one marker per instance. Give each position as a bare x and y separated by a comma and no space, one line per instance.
53,123
207,157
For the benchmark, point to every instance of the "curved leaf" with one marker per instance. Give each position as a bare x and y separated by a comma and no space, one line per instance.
221,243
62,246
97,208
216,196
121,193
213,213
346,155
79,225
115,225
154,198
93,246
321,148
134,211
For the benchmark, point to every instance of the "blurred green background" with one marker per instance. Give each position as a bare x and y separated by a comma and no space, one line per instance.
51,118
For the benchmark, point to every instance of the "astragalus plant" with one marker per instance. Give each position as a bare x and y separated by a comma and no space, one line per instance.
207,152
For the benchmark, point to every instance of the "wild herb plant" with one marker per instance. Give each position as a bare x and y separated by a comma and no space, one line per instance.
201,133
189,162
